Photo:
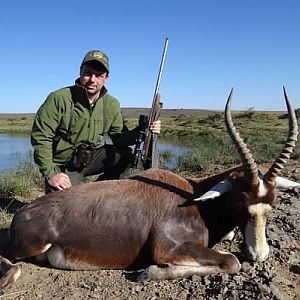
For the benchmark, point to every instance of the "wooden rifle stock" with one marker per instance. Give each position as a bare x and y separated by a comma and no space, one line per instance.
150,154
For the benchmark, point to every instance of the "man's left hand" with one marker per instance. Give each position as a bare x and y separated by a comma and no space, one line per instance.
155,127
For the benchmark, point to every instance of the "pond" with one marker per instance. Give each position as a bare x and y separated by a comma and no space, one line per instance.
15,149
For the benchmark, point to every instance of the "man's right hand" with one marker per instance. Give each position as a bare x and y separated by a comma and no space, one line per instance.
60,181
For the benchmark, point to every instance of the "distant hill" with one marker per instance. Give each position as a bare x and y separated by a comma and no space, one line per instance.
134,112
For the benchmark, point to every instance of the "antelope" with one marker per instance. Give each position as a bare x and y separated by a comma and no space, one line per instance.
157,220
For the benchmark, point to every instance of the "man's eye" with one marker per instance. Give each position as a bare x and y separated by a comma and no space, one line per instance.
102,75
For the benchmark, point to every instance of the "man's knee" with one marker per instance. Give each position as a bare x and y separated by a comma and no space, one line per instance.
119,155
126,153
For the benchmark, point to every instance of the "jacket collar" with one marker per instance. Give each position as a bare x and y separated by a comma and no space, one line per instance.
79,93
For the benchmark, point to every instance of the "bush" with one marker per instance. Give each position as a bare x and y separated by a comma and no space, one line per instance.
248,114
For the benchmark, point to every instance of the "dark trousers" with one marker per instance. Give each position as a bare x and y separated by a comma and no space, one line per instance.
109,162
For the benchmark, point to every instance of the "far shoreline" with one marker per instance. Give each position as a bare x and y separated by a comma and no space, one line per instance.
134,112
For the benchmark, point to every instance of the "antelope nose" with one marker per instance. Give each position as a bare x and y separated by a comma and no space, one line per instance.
254,255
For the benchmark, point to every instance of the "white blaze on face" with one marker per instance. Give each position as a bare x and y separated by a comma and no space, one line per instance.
262,191
255,231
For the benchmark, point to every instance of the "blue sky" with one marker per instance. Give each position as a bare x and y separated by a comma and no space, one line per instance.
252,46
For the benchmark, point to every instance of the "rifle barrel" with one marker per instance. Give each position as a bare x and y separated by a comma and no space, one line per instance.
162,62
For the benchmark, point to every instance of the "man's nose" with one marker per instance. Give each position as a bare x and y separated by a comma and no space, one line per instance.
92,77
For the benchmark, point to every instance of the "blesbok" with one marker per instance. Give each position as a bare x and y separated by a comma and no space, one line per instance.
151,220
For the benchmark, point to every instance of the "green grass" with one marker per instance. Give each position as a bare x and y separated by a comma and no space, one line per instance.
264,134
21,180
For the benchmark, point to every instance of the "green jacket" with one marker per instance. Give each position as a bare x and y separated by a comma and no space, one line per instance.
89,123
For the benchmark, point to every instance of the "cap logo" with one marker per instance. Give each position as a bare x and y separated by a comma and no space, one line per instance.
98,55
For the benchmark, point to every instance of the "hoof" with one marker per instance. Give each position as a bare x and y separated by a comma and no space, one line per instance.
10,273
144,276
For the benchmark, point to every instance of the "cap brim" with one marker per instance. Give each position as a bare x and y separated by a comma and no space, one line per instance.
98,61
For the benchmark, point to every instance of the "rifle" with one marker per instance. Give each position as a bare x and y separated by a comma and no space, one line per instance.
149,154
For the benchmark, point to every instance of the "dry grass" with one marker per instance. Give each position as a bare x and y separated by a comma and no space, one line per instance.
16,124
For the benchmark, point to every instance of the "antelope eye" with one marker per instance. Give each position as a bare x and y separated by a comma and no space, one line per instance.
251,218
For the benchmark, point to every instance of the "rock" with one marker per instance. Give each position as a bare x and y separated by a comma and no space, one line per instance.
278,295
247,268
295,269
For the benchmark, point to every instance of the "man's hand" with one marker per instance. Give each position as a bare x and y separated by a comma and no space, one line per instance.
155,127
60,181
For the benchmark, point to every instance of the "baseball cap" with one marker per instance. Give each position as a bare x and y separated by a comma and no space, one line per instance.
97,55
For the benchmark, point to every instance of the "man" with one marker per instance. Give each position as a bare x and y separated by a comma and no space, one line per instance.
69,128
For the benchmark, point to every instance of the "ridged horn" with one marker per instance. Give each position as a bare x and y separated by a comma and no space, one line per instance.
289,146
245,155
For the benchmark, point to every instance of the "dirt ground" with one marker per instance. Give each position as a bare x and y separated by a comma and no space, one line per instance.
276,278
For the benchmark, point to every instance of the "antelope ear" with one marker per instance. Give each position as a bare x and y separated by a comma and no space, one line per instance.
216,191
284,183
281,182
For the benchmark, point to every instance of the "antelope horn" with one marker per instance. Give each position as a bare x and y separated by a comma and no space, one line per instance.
245,155
289,146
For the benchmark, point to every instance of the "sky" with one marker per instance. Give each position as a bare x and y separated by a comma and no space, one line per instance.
251,46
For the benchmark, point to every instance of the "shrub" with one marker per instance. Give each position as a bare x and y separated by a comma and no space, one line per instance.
248,114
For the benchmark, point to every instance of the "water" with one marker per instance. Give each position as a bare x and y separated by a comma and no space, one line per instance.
15,149
175,147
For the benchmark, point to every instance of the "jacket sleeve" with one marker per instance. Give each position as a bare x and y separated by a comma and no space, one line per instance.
119,133
43,132
126,137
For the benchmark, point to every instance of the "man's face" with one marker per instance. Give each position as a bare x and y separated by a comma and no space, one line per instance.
93,78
